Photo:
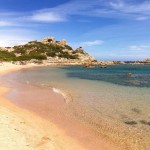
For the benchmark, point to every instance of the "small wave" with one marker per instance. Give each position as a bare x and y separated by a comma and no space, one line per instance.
59,91
66,97
27,82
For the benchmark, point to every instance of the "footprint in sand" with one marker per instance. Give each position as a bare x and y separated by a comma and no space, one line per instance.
43,141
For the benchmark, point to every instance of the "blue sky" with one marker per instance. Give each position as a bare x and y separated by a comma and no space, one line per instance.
107,29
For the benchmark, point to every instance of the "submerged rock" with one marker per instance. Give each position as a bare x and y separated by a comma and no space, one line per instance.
145,122
136,110
130,122
129,74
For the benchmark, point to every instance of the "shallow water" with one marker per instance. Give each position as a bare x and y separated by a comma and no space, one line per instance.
109,101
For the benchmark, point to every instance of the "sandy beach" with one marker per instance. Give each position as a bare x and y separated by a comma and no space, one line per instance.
23,130
27,131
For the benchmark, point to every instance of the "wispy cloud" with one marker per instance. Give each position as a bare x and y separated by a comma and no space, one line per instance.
139,10
63,12
11,19
141,18
5,23
96,8
143,47
47,16
129,7
11,37
91,43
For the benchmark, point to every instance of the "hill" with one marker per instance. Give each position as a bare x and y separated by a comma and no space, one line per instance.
48,49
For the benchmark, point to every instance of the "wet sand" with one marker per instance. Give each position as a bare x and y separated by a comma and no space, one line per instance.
39,124
23,130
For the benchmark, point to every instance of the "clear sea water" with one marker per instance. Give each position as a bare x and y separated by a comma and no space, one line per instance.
115,104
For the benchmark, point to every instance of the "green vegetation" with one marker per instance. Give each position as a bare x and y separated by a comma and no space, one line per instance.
7,56
19,50
68,47
51,54
67,55
37,50
29,57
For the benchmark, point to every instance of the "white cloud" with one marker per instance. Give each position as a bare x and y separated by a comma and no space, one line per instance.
47,16
126,9
14,37
62,12
117,4
132,7
12,41
92,43
143,47
97,8
7,23
142,18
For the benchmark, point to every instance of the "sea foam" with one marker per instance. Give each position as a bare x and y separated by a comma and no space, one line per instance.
59,92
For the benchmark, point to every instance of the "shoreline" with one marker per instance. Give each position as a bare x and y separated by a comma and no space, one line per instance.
36,133
72,143
33,134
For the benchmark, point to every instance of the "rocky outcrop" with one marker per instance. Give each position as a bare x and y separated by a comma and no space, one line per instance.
31,42
80,50
9,49
147,60
51,40
83,56
48,40
62,42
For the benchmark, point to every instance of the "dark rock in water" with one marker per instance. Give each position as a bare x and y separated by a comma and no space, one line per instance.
145,122
103,66
129,74
130,122
136,110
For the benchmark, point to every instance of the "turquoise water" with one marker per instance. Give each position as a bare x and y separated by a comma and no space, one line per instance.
106,99
140,75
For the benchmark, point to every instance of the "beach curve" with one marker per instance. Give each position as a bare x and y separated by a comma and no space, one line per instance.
42,127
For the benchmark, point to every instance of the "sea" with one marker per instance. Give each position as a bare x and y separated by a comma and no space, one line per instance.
114,102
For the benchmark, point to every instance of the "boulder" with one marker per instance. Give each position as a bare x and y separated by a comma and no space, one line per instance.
62,42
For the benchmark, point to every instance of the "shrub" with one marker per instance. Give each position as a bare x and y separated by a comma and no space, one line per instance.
7,56
51,54
68,47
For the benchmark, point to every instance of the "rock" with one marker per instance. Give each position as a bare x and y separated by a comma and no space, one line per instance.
130,122
32,42
145,122
103,66
48,40
83,56
9,49
129,74
62,42
80,50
